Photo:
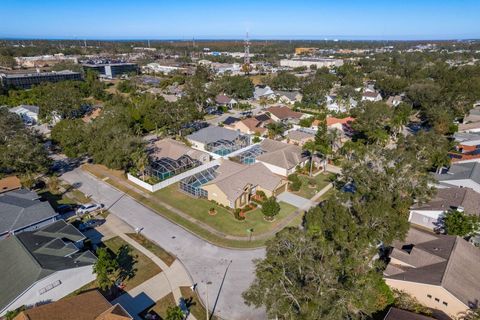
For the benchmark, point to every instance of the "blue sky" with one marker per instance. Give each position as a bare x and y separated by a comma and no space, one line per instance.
184,19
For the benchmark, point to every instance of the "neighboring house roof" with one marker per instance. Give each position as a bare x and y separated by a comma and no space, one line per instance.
22,208
299,135
212,134
441,260
281,154
461,171
262,91
169,148
34,255
284,113
394,100
233,177
398,314
230,120
253,125
223,99
263,117
467,138
473,115
9,184
447,198
371,94
23,108
332,120
290,95
469,126
90,305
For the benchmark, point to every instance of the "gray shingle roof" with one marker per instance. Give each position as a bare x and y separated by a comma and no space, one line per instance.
22,208
461,171
212,134
448,198
281,154
398,314
34,255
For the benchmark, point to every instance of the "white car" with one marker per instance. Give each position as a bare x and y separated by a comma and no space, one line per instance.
89,207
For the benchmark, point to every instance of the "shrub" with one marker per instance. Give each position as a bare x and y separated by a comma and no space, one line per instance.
238,214
270,208
295,182
261,194
256,139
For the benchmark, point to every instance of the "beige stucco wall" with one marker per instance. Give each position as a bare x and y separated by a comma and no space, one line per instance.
421,291
215,194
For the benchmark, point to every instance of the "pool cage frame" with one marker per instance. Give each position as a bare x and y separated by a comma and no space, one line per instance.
223,147
249,156
165,167
193,185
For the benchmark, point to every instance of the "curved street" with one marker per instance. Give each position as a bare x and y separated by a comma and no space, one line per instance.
225,272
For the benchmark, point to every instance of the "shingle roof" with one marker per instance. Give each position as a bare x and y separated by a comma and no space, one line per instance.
212,134
34,255
233,177
454,197
22,208
291,95
447,261
86,306
281,154
398,314
222,99
168,148
284,112
461,171
299,135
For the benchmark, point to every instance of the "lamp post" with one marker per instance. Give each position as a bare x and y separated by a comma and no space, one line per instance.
250,232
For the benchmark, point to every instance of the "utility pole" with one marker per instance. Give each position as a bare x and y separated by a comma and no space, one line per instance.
246,58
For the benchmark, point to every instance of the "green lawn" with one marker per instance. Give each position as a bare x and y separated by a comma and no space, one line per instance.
224,220
321,180
160,307
196,308
155,249
144,267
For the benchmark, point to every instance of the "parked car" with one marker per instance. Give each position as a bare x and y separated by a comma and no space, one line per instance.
88,208
90,224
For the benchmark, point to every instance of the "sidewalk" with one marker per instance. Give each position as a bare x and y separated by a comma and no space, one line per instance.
144,295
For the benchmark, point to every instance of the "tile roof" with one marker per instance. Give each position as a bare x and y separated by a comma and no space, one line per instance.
283,112
253,125
233,177
86,306
454,197
33,255
22,208
447,261
332,120
281,154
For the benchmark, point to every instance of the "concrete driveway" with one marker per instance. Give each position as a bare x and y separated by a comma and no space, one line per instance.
294,200
205,262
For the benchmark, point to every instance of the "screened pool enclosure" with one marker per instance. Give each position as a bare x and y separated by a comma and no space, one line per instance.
193,184
165,168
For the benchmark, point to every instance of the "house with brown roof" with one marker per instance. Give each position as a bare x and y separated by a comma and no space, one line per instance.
249,126
226,101
372,96
10,183
440,271
236,183
284,114
281,158
428,215
90,305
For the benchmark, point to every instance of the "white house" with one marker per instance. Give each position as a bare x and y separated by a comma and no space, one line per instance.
263,92
29,114
43,265
372,96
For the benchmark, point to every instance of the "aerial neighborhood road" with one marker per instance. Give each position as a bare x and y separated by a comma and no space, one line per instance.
205,262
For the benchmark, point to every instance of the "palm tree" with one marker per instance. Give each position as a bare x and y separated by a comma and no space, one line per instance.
311,148
141,162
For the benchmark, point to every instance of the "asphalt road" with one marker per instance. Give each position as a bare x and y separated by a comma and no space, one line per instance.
205,262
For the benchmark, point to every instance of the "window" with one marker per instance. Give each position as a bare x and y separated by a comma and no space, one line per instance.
445,304
429,296
437,300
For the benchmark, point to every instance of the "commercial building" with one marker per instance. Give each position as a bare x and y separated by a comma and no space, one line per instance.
111,70
308,62
27,80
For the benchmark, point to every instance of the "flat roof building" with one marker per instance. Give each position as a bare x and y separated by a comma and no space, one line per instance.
27,80
307,62
112,70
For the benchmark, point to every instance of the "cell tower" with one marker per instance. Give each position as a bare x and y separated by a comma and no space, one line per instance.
246,58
